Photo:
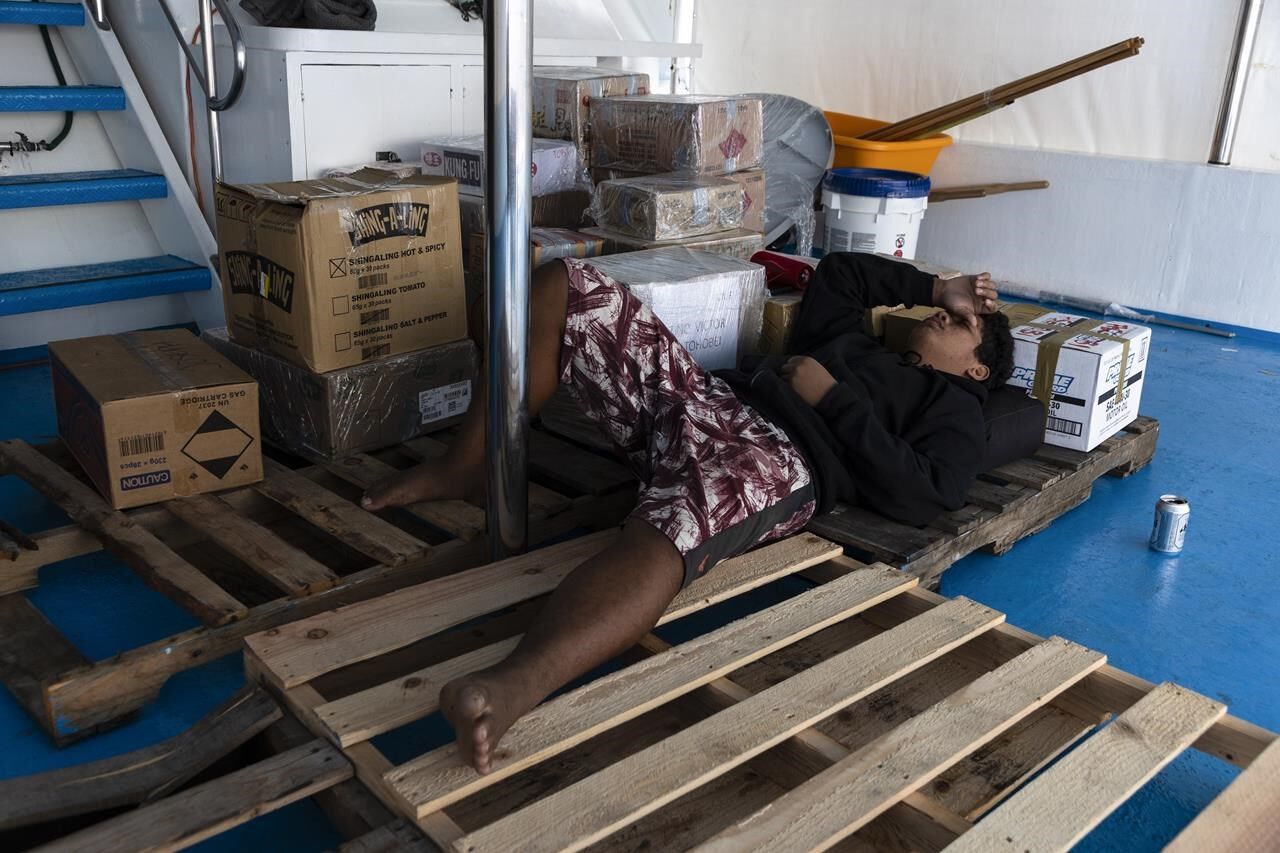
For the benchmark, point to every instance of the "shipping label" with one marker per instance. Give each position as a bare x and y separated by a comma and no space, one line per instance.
445,402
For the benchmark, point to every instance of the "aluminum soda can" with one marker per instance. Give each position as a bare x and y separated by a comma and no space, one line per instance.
1170,528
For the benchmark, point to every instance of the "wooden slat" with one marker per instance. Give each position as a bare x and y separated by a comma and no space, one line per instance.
638,785
289,569
399,836
184,819
32,653
562,464
361,530
380,708
962,520
303,650
1142,424
457,518
543,502
885,539
1029,473
435,780
154,562
139,776
13,541
848,795
992,496
1072,460
1060,806
1246,816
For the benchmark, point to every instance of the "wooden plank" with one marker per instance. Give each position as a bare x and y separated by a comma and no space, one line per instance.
1029,472
438,778
1061,805
296,653
301,651
142,775
154,562
1246,816
848,795
13,542
184,819
289,569
962,520
1072,460
32,653
1142,424
884,539
457,518
642,783
543,502
564,465
361,530
999,498
399,836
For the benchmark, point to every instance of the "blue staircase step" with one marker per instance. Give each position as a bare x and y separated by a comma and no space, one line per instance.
57,99
79,188
93,284
49,14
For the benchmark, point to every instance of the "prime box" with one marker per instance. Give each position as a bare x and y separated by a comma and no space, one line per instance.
335,272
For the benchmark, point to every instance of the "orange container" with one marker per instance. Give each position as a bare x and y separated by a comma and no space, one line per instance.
915,156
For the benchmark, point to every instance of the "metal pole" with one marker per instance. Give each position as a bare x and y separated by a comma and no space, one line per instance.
1224,134
210,89
508,83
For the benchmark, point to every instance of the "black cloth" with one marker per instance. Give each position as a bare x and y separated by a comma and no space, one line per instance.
901,439
314,14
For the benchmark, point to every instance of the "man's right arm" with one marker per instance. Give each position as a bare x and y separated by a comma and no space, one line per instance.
844,286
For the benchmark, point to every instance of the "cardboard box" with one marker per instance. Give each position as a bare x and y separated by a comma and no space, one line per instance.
741,244
897,323
668,207
562,100
780,313
752,184
558,210
356,409
377,172
548,245
155,415
714,305
1097,368
555,163
703,134
335,272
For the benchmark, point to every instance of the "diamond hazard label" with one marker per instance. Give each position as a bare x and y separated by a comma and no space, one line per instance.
217,444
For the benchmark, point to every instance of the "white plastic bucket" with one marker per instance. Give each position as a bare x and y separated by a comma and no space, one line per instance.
873,210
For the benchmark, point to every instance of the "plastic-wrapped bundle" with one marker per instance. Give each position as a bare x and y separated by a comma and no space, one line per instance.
714,305
555,163
355,409
703,134
562,99
381,169
668,207
546,244
738,243
566,209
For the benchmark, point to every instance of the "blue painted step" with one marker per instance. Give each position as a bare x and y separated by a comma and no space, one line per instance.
79,188
93,284
49,14
57,99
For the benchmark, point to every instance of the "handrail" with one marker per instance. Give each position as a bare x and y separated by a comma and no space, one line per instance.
98,11
215,103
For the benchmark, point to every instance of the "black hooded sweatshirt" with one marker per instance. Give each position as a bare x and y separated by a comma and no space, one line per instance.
898,438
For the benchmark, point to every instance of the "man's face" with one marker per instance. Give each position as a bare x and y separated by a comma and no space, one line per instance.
948,343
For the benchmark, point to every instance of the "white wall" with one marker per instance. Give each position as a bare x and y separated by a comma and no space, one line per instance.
891,60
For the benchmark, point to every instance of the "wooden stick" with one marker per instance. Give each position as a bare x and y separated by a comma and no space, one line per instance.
983,190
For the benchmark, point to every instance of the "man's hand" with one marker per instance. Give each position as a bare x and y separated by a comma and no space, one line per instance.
966,296
808,378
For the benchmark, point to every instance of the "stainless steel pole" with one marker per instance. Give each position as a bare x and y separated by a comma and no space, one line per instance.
210,90
508,82
1224,134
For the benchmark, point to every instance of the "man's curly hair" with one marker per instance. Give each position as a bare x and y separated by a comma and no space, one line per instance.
996,349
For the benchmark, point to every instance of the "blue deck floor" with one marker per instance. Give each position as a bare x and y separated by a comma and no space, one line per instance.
1205,619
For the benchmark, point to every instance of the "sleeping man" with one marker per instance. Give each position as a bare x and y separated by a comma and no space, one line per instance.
726,460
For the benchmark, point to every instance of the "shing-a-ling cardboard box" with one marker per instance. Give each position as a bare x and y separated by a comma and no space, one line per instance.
335,272
1097,369
155,415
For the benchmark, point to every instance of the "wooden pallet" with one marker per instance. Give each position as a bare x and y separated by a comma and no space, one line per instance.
250,559
866,712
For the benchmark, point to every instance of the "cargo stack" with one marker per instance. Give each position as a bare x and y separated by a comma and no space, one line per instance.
345,301
678,171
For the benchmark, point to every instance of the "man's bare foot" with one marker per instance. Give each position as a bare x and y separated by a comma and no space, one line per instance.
429,481
481,708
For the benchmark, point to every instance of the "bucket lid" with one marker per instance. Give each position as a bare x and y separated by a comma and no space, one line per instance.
876,183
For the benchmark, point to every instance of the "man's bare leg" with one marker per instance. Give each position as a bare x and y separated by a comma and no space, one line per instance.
599,611
460,473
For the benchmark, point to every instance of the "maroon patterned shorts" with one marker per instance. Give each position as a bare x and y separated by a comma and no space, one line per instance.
717,478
